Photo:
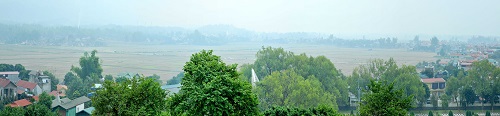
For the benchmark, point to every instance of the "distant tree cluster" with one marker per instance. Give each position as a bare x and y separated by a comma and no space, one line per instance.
176,79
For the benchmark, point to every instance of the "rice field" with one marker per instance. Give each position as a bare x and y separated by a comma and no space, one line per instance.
168,60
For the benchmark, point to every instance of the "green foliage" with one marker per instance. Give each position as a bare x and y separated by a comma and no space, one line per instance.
45,99
9,111
90,67
469,95
444,101
287,88
138,96
270,60
156,78
488,113
383,100
121,79
479,76
176,79
210,87
89,73
450,113
404,78
434,101
53,80
38,110
108,78
77,88
430,113
294,111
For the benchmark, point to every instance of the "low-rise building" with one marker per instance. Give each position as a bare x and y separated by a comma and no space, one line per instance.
7,89
67,107
12,76
29,87
436,85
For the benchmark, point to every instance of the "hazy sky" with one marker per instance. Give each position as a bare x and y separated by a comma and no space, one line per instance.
452,17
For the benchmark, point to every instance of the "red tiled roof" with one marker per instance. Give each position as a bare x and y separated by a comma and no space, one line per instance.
4,82
54,93
26,84
36,98
433,80
20,103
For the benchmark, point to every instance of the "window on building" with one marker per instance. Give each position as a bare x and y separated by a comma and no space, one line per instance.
442,85
435,86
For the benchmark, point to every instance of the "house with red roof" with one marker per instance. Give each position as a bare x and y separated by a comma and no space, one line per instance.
20,103
29,87
436,85
7,89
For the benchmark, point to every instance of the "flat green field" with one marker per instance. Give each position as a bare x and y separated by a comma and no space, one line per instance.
168,60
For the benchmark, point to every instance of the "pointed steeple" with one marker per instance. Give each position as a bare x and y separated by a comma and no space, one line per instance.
254,78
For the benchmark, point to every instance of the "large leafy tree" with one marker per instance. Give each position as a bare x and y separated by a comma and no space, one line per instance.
382,99
480,77
138,96
271,60
287,88
89,73
210,87
90,67
45,99
405,78
10,111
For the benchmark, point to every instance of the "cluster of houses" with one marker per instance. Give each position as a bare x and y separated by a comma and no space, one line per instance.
20,91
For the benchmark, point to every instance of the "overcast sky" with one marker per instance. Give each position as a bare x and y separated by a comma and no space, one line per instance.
448,17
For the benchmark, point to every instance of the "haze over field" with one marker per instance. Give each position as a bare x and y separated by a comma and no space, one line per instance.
343,18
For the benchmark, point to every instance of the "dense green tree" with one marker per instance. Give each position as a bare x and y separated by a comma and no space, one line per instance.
77,88
430,113
10,111
434,101
286,88
138,96
53,80
38,110
121,79
69,77
108,78
452,87
89,73
321,110
450,113
444,100
405,78
383,99
467,92
480,76
90,67
210,87
176,79
270,60
45,99
156,78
